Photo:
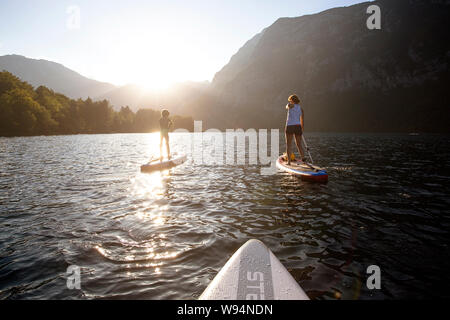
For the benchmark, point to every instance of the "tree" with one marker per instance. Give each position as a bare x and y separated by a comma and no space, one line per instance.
24,115
25,111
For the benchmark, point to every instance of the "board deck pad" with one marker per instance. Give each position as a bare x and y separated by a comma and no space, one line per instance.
157,165
254,273
302,166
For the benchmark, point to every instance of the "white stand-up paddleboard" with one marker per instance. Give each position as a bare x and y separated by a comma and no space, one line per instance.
158,165
306,171
254,273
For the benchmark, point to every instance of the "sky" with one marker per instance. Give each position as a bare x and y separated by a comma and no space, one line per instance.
146,42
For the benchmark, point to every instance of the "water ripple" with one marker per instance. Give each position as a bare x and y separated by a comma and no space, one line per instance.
80,200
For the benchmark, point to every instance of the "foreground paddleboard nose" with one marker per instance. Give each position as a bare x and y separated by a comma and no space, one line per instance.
254,273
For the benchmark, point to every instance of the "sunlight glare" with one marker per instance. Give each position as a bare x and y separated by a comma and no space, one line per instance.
154,59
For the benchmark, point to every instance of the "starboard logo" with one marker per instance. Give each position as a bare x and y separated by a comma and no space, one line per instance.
257,279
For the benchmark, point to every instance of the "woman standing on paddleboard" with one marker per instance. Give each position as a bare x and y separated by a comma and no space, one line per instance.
164,124
294,127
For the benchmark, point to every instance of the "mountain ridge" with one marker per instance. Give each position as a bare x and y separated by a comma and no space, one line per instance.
348,77
53,75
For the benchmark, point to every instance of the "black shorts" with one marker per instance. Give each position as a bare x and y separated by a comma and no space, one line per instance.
164,134
297,129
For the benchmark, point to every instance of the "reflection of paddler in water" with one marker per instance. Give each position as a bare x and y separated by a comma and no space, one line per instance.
164,124
294,127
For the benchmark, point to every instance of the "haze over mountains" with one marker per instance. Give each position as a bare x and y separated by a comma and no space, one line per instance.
68,82
54,76
349,78
175,98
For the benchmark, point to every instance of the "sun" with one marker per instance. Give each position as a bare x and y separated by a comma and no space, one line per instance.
156,59
156,81
150,61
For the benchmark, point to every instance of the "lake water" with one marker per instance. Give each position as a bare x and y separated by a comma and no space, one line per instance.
81,200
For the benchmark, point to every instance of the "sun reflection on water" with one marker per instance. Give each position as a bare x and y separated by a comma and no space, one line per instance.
149,249
149,185
148,245
137,255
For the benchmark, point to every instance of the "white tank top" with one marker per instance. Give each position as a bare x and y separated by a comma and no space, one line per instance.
293,117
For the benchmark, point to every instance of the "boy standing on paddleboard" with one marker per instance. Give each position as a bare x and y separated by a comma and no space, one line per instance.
294,127
164,124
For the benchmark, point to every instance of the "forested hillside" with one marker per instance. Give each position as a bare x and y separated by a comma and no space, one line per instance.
26,111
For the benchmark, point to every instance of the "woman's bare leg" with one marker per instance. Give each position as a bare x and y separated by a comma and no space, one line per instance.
161,146
168,147
289,137
298,142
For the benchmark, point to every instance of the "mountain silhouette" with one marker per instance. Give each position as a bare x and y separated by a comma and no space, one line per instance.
54,76
349,78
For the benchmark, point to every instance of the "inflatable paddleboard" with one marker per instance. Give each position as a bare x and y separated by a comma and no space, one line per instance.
158,165
253,273
307,172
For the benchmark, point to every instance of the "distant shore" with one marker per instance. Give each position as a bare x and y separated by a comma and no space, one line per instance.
205,131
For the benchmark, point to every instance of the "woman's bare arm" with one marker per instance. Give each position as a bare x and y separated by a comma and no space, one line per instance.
302,119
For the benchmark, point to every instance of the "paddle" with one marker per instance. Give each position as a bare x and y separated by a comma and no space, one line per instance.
309,153
152,159
307,149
